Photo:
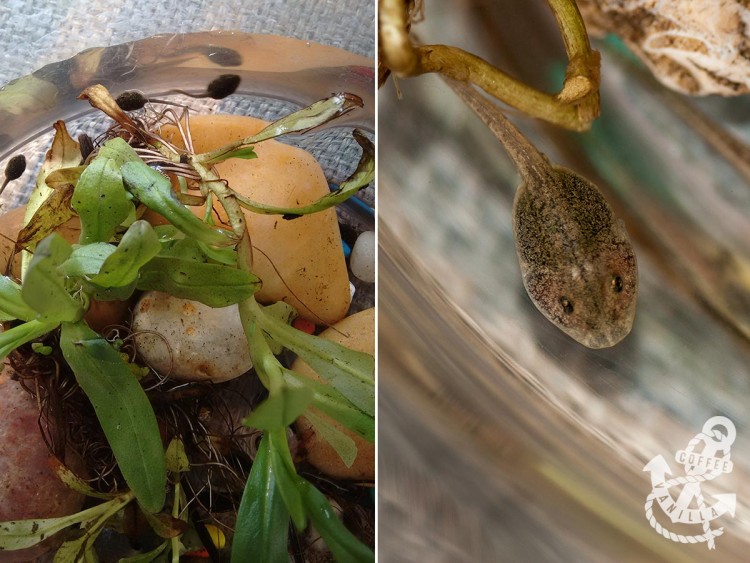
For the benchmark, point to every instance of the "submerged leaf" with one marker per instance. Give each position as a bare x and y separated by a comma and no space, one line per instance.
139,244
351,373
280,409
123,410
19,335
44,285
245,153
86,260
286,478
12,305
155,191
339,441
101,201
342,543
214,285
331,402
262,520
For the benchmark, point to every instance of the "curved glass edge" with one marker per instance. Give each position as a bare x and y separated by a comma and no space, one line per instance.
277,67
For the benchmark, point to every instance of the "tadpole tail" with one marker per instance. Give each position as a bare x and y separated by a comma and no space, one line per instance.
530,162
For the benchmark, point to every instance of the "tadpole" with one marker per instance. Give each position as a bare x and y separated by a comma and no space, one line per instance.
131,100
13,170
219,88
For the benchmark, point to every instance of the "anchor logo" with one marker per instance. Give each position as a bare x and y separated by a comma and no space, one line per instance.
706,457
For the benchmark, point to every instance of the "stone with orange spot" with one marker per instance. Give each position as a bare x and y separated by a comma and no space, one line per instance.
190,341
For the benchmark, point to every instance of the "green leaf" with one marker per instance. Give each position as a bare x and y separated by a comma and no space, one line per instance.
262,520
123,410
227,256
168,233
118,150
101,200
139,244
280,409
110,293
329,401
339,441
214,285
12,305
21,334
351,373
86,260
286,478
42,349
184,249
342,543
245,153
44,286
155,191
286,314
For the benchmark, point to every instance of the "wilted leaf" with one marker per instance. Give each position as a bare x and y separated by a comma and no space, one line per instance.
53,212
363,175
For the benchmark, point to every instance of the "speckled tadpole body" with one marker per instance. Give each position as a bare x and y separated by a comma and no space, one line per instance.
577,263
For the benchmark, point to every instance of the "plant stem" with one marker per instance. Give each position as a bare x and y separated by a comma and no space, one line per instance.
575,107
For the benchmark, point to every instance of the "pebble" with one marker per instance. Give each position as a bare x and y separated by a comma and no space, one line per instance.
362,260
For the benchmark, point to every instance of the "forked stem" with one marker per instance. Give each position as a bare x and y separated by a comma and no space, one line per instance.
574,107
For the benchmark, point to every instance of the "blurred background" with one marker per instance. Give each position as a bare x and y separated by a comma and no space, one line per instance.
500,438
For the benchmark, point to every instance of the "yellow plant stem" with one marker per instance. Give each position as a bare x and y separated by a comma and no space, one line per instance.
575,107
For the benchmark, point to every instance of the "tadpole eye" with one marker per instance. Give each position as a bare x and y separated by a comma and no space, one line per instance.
567,305
617,284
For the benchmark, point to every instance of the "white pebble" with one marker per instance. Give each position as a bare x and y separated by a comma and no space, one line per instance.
206,343
362,260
